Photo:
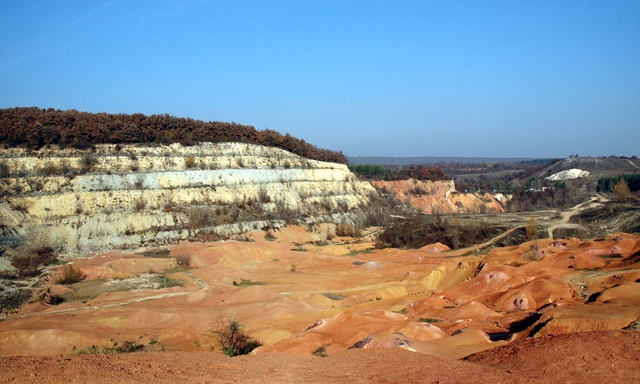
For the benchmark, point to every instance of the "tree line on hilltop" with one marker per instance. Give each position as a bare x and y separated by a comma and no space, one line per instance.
607,184
34,128
478,172
417,172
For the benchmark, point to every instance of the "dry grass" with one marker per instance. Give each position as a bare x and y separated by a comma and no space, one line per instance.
201,217
189,162
69,275
139,204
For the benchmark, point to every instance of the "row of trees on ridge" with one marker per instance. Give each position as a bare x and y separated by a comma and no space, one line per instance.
35,128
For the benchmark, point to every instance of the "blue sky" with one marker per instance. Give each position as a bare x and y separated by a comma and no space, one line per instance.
379,78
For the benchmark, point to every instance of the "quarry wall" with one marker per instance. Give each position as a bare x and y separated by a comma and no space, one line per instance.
441,197
123,195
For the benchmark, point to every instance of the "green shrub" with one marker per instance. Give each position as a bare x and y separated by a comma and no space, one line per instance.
233,340
320,352
247,283
354,252
429,320
126,347
368,171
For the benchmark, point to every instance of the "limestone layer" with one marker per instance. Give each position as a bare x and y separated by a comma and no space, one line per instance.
122,195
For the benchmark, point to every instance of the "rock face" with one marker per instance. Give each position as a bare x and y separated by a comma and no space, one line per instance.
569,174
120,196
433,197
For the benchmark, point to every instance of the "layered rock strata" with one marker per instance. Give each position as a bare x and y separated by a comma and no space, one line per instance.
123,195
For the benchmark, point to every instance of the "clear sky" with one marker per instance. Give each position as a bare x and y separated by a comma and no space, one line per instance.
370,78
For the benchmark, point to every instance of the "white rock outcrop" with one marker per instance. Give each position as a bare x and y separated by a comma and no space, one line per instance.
568,174
120,196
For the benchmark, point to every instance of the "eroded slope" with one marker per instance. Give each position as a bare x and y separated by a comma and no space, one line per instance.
300,291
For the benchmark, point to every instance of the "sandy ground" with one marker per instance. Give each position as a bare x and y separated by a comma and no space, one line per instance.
517,314
612,357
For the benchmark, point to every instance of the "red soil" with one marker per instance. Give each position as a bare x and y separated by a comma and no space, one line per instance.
611,357
516,312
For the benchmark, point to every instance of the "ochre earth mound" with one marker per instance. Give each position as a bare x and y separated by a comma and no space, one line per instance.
611,357
297,292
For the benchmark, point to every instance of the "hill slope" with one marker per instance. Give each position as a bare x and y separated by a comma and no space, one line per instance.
596,167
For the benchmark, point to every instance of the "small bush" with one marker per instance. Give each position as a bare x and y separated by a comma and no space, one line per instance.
247,283
156,253
126,347
263,197
139,204
183,260
139,184
189,162
333,296
233,340
21,207
320,352
65,168
429,320
201,217
354,252
345,230
30,264
49,169
532,229
5,171
69,275
87,163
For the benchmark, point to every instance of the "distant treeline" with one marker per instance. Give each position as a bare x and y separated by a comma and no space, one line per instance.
431,160
35,128
446,171
378,172
527,167
606,184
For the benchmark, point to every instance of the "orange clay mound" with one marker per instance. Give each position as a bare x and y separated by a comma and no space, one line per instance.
300,293
611,357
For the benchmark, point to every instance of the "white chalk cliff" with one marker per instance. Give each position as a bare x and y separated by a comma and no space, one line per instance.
123,195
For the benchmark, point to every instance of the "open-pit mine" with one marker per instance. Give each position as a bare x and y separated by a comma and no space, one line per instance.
159,248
